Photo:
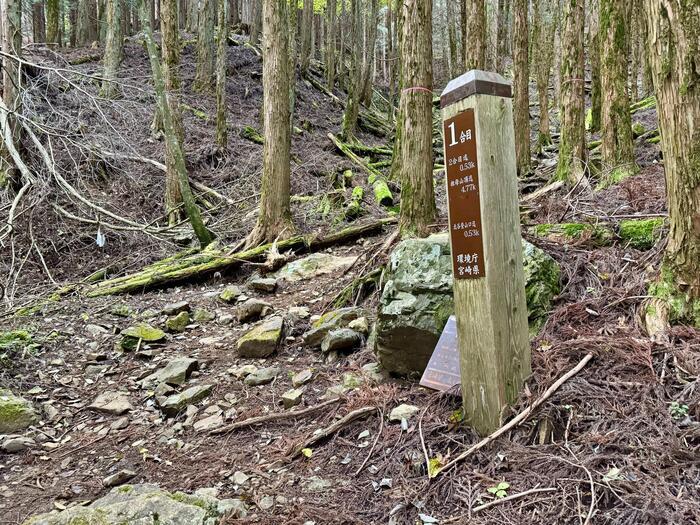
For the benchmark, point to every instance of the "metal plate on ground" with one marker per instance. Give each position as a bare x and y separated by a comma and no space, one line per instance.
442,372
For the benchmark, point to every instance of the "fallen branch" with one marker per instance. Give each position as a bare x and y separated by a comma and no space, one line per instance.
517,420
276,416
331,429
215,259
376,440
511,498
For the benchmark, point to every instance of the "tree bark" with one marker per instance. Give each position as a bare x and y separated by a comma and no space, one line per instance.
616,125
369,55
450,20
416,168
521,102
307,16
204,74
673,41
572,144
352,108
113,49
52,21
257,23
594,49
543,35
11,14
274,217
38,22
475,35
330,43
73,20
221,133
170,51
171,138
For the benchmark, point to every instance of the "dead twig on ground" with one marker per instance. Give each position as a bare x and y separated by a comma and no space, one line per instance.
512,497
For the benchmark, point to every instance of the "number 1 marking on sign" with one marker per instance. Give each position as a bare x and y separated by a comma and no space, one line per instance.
453,134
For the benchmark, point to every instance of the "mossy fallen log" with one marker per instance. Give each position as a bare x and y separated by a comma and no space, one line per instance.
382,193
372,150
85,59
250,133
201,115
354,206
641,234
214,258
646,103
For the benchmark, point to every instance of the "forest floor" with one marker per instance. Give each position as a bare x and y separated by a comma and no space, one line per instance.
609,444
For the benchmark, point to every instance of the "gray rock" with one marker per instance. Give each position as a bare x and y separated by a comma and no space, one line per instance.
201,315
230,294
403,412
177,402
240,478
417,299
317,484
119,478
301,378
145,505
209,423
312,266
176,308
262,340
175,372
292,398
342,339
178,323
225,319
262,376
360,325
120,424
298,312
332,321
241,372
14,444
115,403
266,503
96,331
251,310
372,372
142,332
263,284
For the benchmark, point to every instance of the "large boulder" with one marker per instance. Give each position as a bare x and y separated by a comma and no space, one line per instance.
417,299
16,413
147,505
312,266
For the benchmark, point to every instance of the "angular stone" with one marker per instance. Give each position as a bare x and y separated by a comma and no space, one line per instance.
115,403
119,478
96,331
14,444
251,310
120,424
302,378
360,325
263,284
403,412
176,308
177,402
292,398
242,371
230,294
332,321
175,372
142,332
313,265
262,376
342,339
201,315
233,507
262,340
211,422
178,323
372,372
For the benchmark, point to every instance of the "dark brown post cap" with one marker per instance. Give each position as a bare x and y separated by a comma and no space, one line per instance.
475,82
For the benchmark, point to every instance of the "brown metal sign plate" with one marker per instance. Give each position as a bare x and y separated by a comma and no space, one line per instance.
463,196
442,372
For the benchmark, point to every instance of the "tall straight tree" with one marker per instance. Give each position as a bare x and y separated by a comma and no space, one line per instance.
474,43
544,18
352,108
38,22
616,124
204,73
307,19
203,235
594,50
369,54
274,216
521,102
113,49
673,40
330,43
416,106
170,52
11,14
572,144
52,21
221,44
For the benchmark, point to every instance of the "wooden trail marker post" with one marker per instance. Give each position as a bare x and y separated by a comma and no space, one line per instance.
484,221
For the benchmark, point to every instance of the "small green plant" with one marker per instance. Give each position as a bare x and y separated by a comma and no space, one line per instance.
16,344
500,490
678,410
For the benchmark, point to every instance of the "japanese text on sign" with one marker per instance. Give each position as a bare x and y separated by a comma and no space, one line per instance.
463,197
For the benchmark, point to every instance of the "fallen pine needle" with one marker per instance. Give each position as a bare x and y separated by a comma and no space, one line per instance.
511,497
520,417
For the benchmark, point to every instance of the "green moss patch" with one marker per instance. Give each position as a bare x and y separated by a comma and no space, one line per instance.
682,309
574,231
16,344
641,234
